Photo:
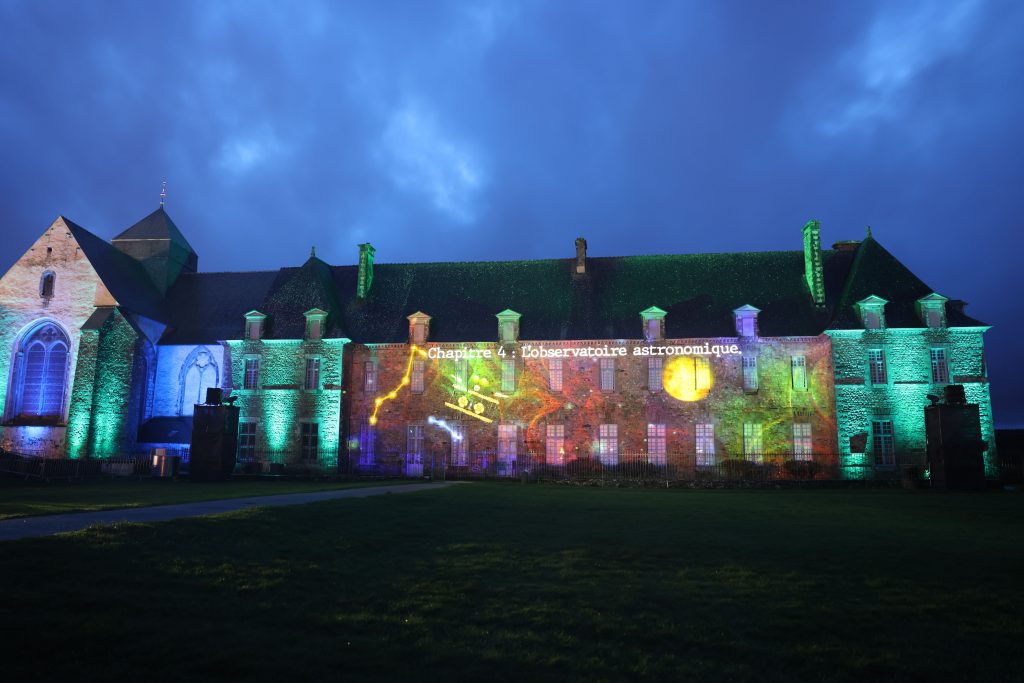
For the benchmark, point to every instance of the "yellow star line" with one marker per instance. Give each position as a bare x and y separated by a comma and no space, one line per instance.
469,412
413,350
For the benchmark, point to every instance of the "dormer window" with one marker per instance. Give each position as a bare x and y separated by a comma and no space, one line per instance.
46,284
932,310
508,326
872,312
254,325
746,320
315,319
654,324
419,328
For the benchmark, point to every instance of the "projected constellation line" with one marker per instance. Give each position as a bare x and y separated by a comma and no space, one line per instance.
413,350
469,412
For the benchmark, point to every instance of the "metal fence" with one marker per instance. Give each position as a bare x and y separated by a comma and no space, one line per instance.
51,469
627,468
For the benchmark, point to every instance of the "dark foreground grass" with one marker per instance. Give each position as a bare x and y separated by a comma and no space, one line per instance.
533,583
20,498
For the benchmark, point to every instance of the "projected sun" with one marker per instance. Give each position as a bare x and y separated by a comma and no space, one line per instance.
687,378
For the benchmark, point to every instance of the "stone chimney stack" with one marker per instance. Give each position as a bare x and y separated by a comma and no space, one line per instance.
581,256
813,272
366,253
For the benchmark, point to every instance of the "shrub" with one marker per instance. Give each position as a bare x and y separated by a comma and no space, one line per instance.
801,469
736,468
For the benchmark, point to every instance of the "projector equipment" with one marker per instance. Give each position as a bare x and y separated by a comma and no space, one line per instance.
214,396
214,440
955,446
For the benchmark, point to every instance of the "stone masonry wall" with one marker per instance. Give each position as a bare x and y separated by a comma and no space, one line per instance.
77,291
581,406
281,403
904,395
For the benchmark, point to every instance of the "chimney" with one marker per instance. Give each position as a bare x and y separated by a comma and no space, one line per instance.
365,270
812,262
581,256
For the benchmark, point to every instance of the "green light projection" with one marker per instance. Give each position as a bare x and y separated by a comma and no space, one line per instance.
280,403
905,394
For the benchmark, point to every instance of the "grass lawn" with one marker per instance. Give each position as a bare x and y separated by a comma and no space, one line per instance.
19,498
493,582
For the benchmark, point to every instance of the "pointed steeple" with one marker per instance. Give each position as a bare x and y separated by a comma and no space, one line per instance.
159,246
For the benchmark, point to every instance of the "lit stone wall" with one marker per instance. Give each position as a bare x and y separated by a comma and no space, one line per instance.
904,396
114,418
182,374
78,290
280,403
581,406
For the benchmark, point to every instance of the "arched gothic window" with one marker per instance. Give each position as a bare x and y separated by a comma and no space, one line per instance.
198,373
47,283
41,375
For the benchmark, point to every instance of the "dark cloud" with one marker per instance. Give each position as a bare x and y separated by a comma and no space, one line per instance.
491,130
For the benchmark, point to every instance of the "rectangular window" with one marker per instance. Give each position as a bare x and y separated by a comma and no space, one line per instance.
656,446
876,366
418,369
310,436
654,366
798,365
508,374
749,373
555,374
314,329
507,436
653,330
247,441
252,329
252,373
747,326
940,370
414,444
705,445
872,319
312,374
462,374
933,316
802,441
367,442
701,373
369,376
607,374
608,444
753,444
882,442
554,447
460,444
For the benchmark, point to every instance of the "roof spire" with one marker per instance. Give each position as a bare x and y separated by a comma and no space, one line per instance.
163,193
312,252
869,231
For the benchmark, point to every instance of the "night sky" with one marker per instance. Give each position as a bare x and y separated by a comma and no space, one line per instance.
502,130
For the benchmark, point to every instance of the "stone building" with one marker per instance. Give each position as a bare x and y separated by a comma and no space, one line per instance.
824,355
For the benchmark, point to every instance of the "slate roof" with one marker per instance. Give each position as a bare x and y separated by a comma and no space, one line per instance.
297,290
875,271
125,277
698,291
156,226
206,307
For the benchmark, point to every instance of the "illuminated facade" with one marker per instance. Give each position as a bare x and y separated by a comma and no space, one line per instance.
824,356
